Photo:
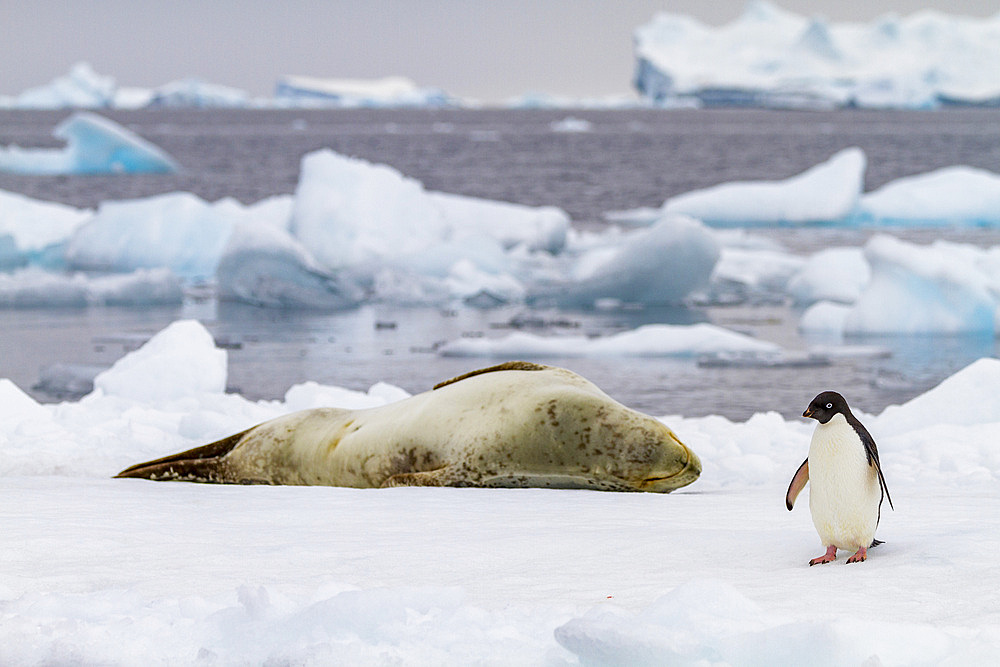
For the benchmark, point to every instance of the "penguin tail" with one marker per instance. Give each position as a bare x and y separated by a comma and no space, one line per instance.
875,543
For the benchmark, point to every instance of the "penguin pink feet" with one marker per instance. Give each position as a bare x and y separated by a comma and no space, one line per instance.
859,556
828,557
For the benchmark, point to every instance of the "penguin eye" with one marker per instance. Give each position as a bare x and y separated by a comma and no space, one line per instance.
829,406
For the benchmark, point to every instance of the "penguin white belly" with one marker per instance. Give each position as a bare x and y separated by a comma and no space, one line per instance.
844,493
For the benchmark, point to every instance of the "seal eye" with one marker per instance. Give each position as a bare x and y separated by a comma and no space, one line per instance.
829,406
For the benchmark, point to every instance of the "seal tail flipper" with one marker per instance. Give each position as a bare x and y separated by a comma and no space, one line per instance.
200,464
798,483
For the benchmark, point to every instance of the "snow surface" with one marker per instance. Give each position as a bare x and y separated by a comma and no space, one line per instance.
775,58
94,145
98,570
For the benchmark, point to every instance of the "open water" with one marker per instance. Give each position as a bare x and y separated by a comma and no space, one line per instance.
629,159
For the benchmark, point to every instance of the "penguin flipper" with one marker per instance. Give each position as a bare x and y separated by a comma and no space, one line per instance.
798,483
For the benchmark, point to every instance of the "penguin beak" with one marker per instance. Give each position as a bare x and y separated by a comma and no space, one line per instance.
807,413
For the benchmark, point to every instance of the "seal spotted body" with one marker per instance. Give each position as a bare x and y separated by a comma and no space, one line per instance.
513,425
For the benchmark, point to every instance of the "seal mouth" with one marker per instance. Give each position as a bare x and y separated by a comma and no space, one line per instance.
688,472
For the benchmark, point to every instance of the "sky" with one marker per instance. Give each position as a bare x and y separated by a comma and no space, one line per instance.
490,50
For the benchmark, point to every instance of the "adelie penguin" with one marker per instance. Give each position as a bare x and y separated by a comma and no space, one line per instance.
847,482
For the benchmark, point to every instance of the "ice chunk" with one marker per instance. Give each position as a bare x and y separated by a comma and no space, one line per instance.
35,288
941,288
825,317
94,145
824,193
178,362
571,124
179,230
352,213
834,274
653,340
265,266
659,265
956,195
32,225
16,406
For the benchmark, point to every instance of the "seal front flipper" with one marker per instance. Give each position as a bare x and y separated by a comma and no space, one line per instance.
798,483
201,464
441,477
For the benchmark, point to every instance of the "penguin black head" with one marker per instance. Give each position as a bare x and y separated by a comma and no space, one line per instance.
826,405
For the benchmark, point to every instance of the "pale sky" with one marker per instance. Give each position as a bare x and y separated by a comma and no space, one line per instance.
483,49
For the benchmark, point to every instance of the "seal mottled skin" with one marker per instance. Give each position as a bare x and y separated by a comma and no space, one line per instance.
513,425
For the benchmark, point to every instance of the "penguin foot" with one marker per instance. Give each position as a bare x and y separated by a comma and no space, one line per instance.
828,557
859,557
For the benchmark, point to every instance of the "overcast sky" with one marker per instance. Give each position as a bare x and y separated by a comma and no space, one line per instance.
484,49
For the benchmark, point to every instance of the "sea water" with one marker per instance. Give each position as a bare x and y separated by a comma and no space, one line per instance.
627,159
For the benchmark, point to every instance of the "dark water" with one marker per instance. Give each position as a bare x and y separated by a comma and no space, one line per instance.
629,159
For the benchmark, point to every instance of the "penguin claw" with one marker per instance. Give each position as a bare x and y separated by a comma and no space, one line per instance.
859,557
828,557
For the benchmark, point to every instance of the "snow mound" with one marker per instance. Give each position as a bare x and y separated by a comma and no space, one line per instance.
94,145
180,361
826,192
770,57
653,340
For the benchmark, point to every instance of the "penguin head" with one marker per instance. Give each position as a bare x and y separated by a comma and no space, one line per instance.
826,405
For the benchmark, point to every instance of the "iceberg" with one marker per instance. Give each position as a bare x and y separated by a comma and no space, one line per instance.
197,94
263,265
770,57
835,274
827,192
943,288
81,88
392,91
949,196
653,340
660,265
94,145
29,226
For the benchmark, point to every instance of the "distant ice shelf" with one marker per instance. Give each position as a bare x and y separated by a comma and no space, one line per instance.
769,57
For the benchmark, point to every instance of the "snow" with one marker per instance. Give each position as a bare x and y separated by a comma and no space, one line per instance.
99,570
771,57
94,145
824,193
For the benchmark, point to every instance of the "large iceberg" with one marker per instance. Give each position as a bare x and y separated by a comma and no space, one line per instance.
826,192
774,58
81,88
94,145
392,91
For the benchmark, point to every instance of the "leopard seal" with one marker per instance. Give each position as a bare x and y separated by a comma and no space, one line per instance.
517,424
